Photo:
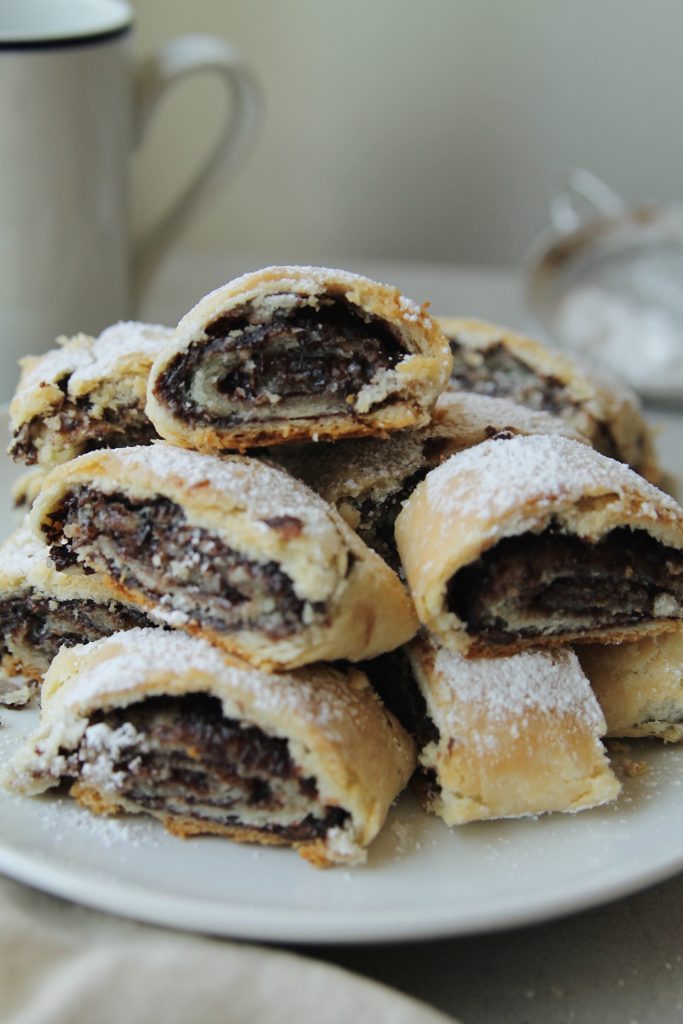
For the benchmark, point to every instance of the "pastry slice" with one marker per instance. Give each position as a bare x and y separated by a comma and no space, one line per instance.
495,361
504,737
294,353
640,685
88,393
232,549
42,609
540,540
166,725
369,478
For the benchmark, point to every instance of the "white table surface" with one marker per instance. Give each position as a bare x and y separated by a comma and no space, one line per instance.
619,963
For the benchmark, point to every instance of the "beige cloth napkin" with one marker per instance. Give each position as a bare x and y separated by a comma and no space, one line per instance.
61,964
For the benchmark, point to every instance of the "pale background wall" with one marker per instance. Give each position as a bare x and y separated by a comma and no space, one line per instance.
433,129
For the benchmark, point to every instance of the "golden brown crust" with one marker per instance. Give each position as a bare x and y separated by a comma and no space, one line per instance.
469,418
94,801
606,412
516,736
402,397
185,828
506,488
639,685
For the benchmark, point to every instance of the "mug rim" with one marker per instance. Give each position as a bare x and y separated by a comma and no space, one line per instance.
45,24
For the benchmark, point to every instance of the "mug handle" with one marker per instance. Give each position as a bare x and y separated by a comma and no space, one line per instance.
173,61
584,193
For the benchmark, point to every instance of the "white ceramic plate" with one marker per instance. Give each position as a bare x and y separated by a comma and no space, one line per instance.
421,880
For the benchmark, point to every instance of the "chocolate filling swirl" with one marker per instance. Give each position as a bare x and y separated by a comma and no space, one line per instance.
72,428
180,756
34,627
297,361
552,583
495,372
150,548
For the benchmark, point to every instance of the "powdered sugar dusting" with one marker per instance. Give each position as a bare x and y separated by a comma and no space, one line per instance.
73,353
102,751
411,312
22,555
316,280
543,682
117,343
308,277
476,416
343,844
86,359
247,483
116,665
500,476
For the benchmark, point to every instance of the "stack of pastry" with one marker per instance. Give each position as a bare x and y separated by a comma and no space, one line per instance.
314,436
217,709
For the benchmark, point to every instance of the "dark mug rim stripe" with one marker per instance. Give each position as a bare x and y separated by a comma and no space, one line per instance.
64,42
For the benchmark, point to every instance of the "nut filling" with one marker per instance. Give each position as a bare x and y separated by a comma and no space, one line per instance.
179,756
295,362
553,583
497,373
72,427
149,547
34,628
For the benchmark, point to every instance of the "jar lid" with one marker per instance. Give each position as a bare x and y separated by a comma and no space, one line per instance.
608,287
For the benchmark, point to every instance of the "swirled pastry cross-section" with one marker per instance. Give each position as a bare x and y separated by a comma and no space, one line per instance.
232,549
540,540
495,361
292,353
42,610
171,728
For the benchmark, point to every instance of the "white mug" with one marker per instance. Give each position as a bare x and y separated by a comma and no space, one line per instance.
72,109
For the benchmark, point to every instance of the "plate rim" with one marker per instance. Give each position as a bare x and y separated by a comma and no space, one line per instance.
288,926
